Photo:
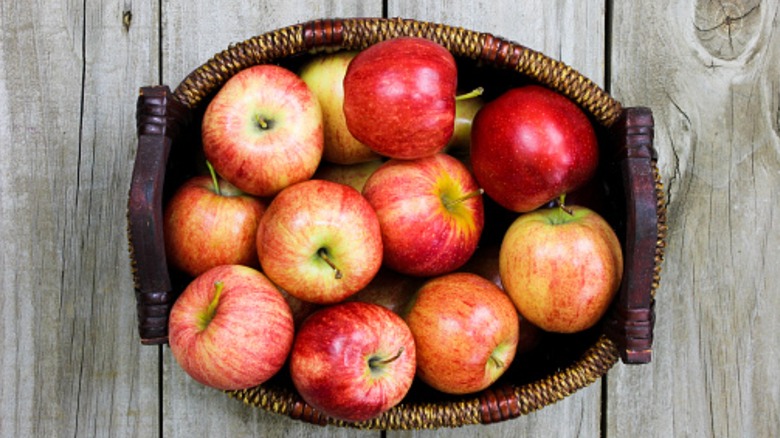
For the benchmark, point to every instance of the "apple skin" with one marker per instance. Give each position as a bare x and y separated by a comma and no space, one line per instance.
531,145
203,229
263,160
353,175
312,224
247,340
561,271
324,75
399,97
466,332
334,360
422,236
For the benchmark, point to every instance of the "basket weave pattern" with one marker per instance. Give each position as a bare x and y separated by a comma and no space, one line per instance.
628,330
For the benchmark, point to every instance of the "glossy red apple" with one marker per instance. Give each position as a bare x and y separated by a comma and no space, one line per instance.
561,270
263,130
466,332
324,75
320,241
230,328
399,97
531,145
430,211
208,223
353,361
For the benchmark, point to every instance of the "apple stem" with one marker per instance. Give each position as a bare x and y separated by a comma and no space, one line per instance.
498,362
323,253
262,122
375,361
471,94
214,179
562,205
450,202
212,309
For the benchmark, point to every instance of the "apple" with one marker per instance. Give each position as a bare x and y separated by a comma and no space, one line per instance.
320,241
300,309
530,146
263,130
466,331
353,361
209,222
561,269
353,175
430,211
390,290
324,75
466,108
399,97
230,328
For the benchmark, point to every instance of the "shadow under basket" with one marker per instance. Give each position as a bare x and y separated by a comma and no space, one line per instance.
169,151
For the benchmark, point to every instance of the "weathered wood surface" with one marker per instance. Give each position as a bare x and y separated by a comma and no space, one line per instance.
71,363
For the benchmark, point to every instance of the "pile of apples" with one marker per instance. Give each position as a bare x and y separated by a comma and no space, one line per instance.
337,236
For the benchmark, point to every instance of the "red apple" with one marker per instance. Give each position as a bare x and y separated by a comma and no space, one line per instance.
561,270
531,145
353,361
390,290
399,97
466,332
230,328
207,225
324,75
353,175
320,241
263,130
430,211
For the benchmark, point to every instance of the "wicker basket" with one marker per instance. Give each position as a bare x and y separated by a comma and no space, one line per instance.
168,145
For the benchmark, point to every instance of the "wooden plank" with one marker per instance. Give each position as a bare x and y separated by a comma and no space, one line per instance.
192,33
71,362
709,71
572,32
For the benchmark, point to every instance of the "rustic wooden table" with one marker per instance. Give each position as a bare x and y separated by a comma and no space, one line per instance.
71,362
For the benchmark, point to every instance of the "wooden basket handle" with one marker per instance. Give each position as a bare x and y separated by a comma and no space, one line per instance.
158,118
633,314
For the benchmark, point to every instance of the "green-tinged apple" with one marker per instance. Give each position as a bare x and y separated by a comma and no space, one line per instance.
230,328
324,75
353,175
353,361
320,241
391,290
466,107
209,222
466,331
399,97
531,145
263,130
561,269
431,213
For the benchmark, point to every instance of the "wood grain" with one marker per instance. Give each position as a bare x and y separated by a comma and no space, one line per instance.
71,363
710,72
